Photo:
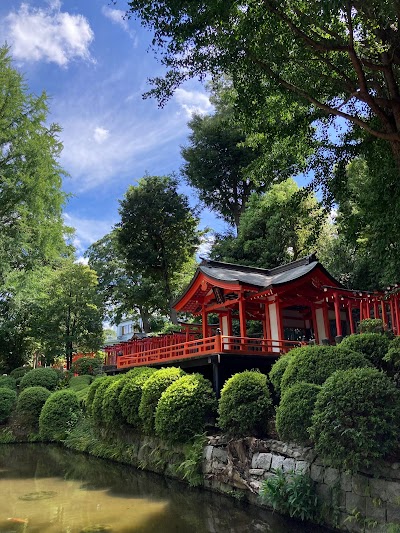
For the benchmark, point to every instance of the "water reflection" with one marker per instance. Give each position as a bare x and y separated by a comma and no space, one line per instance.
47,489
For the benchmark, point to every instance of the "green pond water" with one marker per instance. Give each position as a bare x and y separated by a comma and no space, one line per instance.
47,489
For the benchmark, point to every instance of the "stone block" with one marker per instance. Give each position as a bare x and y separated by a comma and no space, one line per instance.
393,492
360,485
220,455
375,510
331,476
256,471
345,482
262,460
355,503
207,452
324,493
255,485
277,462
377,488
393,513
288,465
317,473
302,466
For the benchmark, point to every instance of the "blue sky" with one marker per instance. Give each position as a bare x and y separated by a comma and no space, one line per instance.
94,66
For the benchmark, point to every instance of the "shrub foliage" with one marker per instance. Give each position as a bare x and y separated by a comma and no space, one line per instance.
59,415
245,405
30,403
277,371
92,392
40,377
8,382
184,408
8,397
372,345
314,364
371,325
111,408
131,394
151,393
356,418
96,409
87,365
293,416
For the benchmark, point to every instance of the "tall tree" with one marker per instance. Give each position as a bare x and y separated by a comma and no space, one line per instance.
280,226
158,232
226,161
31,199
341,57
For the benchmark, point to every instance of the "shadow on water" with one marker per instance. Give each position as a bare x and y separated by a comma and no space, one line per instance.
47,489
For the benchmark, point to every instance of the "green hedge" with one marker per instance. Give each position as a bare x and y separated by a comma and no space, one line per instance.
371,325
356,418
96,409
372,345
245,405
8,397
20,371
59,415
293,415
111,408
30,403
87,366
276,373
40,377
92,392
78,383
314,364
131,394
8,382
151,393
184,408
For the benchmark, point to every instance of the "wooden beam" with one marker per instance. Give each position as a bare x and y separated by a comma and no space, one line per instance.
337,315
242,315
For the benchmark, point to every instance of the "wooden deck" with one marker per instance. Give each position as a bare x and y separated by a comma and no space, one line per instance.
138,353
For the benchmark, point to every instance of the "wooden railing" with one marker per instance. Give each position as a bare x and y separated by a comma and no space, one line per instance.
200,347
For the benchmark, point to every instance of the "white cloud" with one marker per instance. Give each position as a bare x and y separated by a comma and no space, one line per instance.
47,34
100,134
117,17
87,231
193,102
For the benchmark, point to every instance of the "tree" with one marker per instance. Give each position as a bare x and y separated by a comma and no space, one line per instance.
226,162
341,57
158,233
280,226
31,199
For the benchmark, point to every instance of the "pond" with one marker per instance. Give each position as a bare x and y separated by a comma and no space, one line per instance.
47,489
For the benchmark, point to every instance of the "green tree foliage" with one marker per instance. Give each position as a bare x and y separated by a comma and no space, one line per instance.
314,364
373,346
151,393
30,403
276,373
40,377
8,398
340,57
226,163
87,366
158,233
184,407
131,394
356,418
245,405
293,415
276,228
59,415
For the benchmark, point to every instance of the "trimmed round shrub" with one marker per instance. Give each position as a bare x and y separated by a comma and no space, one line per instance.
110,407
92,392
87,365
8,382
131,394
59,415
184,408
8,397
96,409
293,415
30,403
78,383
393,357
371,325
40,377
245,405
314,364
373,346
151,393
20,371
356,418
276,373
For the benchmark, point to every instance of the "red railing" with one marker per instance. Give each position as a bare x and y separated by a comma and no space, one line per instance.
195,348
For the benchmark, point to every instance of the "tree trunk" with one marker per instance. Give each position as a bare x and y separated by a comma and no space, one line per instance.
145,317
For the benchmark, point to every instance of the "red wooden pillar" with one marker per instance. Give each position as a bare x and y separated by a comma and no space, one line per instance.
204,324
384,314
368,314
315,325
325,310
337,314
279,318
230,328
396,312
376,309
392,319
267,325
351,322
361,311
242,315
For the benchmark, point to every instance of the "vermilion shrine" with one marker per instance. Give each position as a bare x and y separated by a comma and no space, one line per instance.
285,306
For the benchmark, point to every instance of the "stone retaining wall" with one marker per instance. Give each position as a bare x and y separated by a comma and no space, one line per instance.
366,501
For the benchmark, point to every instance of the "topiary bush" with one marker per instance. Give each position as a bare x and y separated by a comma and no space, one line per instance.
8,397
40,377
78,383
293,415
372,345
276,373
96,409
356,418
151,393
91,366
92,392
314,364
245,405
371,325
20,371
59,415
184,408
8,382
30,403
110,407
131,394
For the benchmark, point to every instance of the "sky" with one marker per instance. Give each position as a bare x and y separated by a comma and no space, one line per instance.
94,65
